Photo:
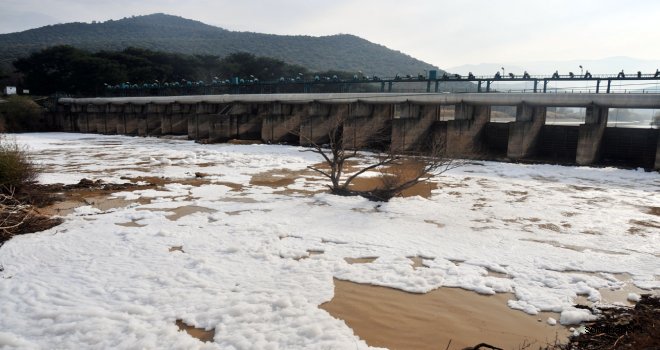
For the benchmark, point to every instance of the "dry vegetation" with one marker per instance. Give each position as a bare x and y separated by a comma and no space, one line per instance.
398,171
17,176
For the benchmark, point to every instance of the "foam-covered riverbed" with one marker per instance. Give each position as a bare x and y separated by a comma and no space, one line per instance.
253,260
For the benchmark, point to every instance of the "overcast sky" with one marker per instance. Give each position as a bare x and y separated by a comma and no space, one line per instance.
443,33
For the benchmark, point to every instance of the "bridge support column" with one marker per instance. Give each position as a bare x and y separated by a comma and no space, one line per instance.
320,121
591,135
61,118
412,126
150,121
175,119
111,119
464,133
86,118
237,121
128,125
282,123
367,126
524,132
199,121
106,122
70,119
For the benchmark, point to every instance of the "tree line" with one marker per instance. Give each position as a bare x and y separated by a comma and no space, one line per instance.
66,69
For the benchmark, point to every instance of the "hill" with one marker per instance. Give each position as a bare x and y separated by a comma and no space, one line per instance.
176,34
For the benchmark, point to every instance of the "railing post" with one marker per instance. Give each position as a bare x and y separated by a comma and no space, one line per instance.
609,83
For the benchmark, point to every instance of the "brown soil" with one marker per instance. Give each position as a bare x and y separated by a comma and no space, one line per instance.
623,328
394,319
63,199
38,203
176,248
199,333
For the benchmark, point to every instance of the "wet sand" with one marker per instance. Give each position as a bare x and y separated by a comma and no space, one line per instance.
394,319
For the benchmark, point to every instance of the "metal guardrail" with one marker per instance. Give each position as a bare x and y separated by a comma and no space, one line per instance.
445,83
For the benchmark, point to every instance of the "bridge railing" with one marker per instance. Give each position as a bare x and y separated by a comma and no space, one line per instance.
604,83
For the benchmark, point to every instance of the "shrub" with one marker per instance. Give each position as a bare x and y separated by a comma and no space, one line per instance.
20,113
16,168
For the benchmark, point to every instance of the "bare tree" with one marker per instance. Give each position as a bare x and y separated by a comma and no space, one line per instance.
399,171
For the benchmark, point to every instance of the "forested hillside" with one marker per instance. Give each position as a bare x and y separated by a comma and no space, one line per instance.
168,33
70,70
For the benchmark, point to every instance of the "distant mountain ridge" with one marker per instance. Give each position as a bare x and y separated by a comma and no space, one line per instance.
176,34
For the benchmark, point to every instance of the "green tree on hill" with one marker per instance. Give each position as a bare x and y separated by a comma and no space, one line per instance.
79,72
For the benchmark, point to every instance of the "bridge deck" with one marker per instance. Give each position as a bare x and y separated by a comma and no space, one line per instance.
493,99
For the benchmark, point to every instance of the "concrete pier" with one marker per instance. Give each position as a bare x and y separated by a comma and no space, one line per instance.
238,121
367,126
412,127
317,126
464,133
524,132
282,124
591,135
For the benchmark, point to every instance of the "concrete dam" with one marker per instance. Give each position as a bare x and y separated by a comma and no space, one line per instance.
407,122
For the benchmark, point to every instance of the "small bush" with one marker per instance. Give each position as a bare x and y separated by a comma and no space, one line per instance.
19,114
16,168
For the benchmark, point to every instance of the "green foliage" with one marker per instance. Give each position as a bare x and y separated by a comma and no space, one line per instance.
19,113
74,71
160,32
16,168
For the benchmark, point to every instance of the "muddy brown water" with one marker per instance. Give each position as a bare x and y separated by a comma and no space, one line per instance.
364,260
394,319
199,333
186,210
422,189
101,202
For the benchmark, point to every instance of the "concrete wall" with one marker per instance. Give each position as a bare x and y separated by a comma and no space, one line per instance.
412,127
282,124
591,135
321,121
368,126
401,126
240,121
465,132
524,132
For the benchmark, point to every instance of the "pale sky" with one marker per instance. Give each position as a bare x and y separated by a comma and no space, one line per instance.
443,33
